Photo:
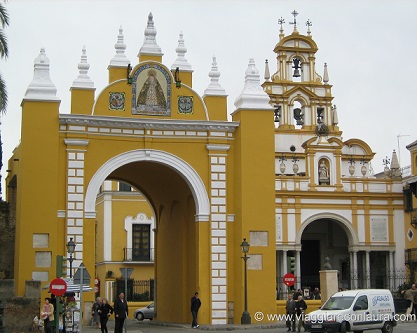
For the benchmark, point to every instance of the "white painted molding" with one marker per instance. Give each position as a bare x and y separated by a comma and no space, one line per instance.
76,142
345,224
158,124
61,213
183,168
218,147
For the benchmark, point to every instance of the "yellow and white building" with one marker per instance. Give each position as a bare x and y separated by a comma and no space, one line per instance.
410,209
278,173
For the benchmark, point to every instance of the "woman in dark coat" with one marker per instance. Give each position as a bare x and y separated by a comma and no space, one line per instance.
104,310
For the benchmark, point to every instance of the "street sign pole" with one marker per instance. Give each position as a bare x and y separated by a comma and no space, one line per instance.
81,276
81,296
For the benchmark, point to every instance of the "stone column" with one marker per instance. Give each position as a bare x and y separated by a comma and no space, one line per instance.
354,272
367,270
298,269
284,262
391,270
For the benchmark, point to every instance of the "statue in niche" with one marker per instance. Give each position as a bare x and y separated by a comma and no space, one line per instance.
327,266
323,173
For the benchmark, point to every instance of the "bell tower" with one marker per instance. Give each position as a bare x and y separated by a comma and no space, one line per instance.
301,97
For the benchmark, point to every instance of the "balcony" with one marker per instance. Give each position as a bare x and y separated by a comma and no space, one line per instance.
410,257
139,254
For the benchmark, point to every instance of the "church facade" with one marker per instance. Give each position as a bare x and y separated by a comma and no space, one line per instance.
278,174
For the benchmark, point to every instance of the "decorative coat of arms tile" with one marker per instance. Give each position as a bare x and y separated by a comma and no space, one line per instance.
185,104
117,101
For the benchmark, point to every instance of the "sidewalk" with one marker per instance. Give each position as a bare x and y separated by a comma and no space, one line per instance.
135,326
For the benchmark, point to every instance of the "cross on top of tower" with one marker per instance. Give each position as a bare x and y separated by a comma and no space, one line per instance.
281,21
294,13
308,24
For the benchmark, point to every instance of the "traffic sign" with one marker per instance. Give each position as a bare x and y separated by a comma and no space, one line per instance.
289,279
86,276
58,287
126,272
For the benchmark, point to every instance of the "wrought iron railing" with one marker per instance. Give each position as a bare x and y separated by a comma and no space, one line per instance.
392,280
139,254
137,290
410,257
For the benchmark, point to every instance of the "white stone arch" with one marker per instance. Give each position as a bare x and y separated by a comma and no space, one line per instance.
150,155
342,221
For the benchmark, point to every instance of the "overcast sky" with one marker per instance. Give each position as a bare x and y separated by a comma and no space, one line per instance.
370,48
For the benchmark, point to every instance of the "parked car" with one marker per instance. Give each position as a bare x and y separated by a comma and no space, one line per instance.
147,312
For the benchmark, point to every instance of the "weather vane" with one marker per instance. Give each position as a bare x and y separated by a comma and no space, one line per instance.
294,13
281,21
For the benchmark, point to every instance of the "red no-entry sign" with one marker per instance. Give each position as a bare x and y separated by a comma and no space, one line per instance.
289,279
58,287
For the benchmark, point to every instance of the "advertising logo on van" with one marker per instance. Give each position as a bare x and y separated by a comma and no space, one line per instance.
379,299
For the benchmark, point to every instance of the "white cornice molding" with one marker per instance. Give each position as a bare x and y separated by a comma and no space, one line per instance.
162,124
76,142
218,147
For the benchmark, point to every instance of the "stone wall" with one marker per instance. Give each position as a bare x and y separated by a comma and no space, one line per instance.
7,241
19,311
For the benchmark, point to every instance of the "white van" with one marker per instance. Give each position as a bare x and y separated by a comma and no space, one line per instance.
354,311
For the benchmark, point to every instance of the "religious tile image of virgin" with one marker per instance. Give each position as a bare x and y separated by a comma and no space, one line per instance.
151,91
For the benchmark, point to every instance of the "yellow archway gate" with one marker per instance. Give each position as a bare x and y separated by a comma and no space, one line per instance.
210,182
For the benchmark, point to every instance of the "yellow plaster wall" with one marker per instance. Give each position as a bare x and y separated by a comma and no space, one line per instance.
82,100
217,106
254,200
37,202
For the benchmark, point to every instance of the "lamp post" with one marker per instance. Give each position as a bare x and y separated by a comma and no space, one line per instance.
245,315
70,249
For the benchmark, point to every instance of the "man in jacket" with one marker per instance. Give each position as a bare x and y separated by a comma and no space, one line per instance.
300,308
121,312
290,311
409,295
195,305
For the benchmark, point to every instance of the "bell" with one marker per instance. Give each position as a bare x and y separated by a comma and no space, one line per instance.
296,73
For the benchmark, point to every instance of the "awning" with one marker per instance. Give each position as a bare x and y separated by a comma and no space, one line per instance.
73,288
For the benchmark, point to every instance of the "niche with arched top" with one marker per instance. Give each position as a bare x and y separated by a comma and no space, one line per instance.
324,172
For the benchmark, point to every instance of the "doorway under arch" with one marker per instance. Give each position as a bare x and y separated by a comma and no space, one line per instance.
178,199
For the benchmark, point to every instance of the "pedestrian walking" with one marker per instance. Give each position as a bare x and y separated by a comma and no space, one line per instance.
47,314
104,311
121,312
195,305
290,312
300,309
95,321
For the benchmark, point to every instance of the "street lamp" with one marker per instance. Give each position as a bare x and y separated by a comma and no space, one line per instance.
70,249
245,315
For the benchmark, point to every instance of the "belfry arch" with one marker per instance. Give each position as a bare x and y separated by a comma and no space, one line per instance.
188,173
